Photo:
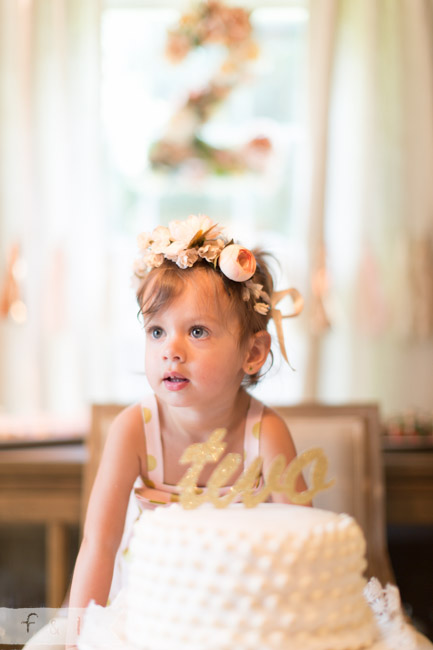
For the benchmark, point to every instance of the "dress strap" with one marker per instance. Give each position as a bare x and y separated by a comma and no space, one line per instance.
152,490
152,433
252,431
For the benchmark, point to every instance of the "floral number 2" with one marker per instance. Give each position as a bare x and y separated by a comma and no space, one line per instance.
182,146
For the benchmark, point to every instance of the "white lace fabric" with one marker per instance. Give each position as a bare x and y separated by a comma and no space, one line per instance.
395,631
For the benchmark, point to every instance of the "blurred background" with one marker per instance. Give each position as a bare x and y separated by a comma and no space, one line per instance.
307,130
342,91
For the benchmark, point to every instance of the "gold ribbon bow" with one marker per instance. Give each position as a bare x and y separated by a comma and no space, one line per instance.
277,316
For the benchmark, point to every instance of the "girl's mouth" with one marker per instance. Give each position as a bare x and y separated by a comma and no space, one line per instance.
174,381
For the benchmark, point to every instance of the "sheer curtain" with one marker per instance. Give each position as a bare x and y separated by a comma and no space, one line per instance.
371,211
75,338
49,201
372,207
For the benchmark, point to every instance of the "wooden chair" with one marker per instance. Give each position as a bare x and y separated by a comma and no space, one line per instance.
350,437
102,416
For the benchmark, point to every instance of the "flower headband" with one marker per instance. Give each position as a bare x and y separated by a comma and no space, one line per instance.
198,238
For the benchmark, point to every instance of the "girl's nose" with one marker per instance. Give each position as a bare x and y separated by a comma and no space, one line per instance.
174,350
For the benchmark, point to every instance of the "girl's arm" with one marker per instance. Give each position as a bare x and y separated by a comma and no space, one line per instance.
120,465
275,439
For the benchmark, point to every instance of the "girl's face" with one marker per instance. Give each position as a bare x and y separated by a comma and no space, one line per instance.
193,352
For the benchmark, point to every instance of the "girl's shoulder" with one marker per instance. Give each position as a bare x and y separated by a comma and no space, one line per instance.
275,440
275,437
129,416
272,417
272,420
127,426
125,444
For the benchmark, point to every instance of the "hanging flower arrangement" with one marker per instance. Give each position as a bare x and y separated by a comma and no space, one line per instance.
210,23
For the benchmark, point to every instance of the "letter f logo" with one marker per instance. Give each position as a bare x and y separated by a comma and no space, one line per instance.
29,622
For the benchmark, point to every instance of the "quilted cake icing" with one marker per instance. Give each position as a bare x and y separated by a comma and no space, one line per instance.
247,579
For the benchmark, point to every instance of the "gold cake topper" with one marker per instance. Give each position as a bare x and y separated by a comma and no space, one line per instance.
278,479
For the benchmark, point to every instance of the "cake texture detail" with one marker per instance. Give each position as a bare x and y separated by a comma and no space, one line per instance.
244,579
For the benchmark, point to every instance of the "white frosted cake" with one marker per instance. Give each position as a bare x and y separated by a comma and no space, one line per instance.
272,577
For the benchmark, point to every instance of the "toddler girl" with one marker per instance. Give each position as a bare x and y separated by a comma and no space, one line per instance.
206,304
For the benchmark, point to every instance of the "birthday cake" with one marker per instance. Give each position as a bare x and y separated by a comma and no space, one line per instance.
266,578
247,578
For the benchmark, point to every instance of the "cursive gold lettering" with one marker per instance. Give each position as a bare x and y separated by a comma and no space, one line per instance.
318,473
278,479
199,454
219,477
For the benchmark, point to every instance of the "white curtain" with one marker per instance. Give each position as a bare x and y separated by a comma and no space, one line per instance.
372,202
371,213
49,201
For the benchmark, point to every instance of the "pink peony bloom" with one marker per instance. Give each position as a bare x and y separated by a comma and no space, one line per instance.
237,263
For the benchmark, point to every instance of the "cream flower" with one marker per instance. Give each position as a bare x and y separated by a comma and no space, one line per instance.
143,240
182,126
153,260
139,268
237,263
182,242
210,250
262,308
187,258
254,289
160,239
246,294
186,231
175,249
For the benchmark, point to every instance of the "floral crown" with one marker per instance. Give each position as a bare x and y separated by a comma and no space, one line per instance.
197,238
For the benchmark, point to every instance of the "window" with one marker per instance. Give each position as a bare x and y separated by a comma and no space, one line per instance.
142,90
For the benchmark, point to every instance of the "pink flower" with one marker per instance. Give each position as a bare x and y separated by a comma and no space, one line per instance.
178,46
237,263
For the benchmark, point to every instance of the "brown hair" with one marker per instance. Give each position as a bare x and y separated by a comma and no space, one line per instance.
162,284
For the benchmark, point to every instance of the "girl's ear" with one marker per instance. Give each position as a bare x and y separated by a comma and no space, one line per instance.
257,352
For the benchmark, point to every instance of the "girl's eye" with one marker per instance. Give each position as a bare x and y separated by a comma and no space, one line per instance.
198,332
156,332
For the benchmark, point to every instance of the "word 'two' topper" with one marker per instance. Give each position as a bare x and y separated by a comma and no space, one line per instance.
279,477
